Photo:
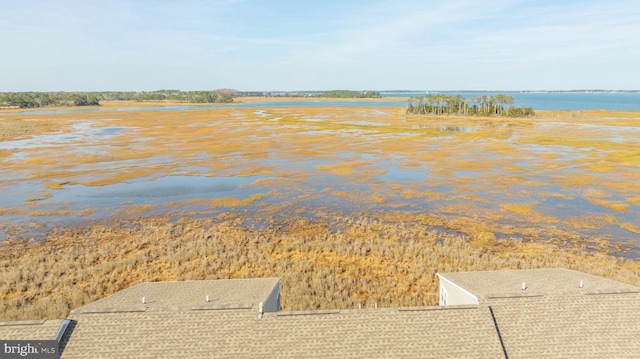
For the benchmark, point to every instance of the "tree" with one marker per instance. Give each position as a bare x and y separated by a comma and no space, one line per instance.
441,104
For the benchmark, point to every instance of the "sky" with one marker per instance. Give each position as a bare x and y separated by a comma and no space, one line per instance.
260,45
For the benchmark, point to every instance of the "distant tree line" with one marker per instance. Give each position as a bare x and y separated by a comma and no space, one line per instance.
44,99
350,94
440,104
327,94
216,96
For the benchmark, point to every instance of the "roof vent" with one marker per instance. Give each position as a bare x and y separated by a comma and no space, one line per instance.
524,286
581,284
206,299
144,300
260,310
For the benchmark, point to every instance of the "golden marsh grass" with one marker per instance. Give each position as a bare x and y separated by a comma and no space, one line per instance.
369,261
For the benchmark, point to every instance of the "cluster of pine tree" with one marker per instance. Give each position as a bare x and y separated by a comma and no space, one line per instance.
440,104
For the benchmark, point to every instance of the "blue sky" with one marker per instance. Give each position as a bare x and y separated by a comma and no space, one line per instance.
88,45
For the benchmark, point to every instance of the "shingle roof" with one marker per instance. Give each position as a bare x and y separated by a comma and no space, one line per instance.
176,323
162,334
30,330
490,285
585,326
224,293
433,332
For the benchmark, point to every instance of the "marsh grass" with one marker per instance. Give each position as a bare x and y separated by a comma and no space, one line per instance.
341,169
630,227
390,260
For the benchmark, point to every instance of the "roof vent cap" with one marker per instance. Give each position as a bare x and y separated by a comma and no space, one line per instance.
524,286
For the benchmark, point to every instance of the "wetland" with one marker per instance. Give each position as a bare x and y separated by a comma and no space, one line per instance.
348,204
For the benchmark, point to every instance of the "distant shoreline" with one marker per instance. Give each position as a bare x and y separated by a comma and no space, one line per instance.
510,91
560,101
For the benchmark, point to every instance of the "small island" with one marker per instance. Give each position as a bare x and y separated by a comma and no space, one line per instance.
441,104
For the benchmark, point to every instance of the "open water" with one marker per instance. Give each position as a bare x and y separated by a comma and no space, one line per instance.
620,101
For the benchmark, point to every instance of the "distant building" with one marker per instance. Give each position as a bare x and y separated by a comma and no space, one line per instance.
560,313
